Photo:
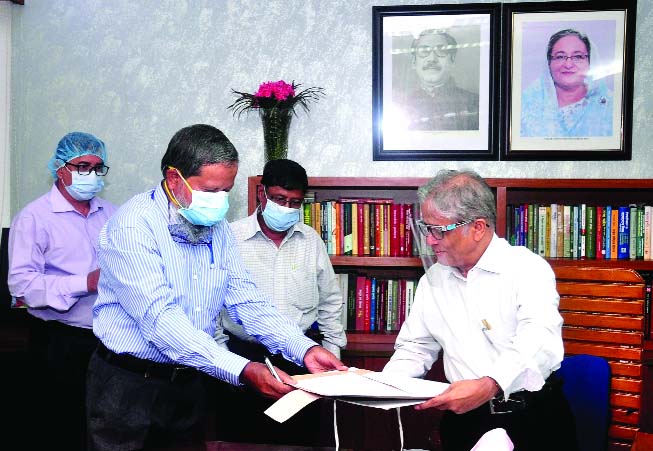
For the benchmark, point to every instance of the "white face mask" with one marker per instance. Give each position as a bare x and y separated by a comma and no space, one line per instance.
85,187
280,218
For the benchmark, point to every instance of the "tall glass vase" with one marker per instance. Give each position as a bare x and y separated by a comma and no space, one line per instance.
276,125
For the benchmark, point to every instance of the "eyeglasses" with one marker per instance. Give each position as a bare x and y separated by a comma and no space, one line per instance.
574,58
424,51
437,231
85,168
292,203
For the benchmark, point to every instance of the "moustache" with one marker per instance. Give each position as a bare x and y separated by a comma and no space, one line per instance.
432,65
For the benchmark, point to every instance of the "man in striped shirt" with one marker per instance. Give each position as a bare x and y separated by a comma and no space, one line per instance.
169,265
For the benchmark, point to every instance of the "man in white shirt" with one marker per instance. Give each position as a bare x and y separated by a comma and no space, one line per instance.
492,309
289,263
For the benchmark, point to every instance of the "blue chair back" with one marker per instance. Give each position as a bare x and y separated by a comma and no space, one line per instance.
586,385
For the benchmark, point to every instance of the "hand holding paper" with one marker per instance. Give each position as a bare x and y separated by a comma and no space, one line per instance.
362,387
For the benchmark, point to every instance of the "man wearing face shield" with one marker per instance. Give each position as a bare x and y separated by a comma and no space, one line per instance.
170,264
289,263
53,270
492,310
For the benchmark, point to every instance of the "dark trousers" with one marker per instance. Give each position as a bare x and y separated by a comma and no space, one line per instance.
235,404
62,354
130,409
545,424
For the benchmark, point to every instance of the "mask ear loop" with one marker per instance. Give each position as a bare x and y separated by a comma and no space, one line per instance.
169,192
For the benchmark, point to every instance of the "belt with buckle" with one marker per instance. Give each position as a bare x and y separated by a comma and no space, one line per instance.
516,402
146,368
520,400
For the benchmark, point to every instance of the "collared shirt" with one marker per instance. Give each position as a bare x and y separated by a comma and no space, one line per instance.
52,248
501,321
297,276
159,299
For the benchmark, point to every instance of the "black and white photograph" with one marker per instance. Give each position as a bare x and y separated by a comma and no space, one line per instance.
434,75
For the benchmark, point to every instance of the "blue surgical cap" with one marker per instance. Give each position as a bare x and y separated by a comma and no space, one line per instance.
73,145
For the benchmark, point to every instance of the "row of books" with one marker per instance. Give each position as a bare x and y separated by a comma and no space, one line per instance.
582,231
362,226
375,304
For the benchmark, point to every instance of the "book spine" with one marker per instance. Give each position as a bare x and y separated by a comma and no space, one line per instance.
360,303
600,232
566,240
608,231
614,233
639,235
541,232
553,247
583,230
590,231
648,209
632,232
623,251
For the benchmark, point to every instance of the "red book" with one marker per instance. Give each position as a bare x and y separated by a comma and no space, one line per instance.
367,304
361,229
394,230
378,236
401,216
360,302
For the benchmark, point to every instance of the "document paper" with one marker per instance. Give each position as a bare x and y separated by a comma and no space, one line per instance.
362,387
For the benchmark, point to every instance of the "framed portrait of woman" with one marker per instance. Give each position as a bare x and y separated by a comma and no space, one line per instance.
435,82
568,80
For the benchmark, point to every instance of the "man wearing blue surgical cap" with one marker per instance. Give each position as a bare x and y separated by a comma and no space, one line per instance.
53,270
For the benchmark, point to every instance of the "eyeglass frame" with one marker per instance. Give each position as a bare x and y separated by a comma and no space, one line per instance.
430,229
432,49
283,201
89,167
579,58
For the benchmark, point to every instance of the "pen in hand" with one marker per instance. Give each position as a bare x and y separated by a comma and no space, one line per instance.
272,370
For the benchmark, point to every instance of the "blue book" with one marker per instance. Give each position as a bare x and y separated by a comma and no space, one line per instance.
623,235
608,227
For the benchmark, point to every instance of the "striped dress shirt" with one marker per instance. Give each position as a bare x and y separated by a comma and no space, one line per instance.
297,275
159,299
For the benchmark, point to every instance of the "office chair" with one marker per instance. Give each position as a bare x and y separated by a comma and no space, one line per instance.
586,385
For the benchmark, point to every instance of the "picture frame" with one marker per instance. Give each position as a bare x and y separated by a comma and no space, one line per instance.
442,103
561,101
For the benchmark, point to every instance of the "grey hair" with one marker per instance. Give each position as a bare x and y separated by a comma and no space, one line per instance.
460,195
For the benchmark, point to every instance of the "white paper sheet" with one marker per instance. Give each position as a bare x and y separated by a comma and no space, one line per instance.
362,387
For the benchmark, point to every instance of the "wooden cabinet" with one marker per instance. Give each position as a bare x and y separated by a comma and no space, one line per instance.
372,350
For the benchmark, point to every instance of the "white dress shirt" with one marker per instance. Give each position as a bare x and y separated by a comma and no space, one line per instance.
501,321
297,276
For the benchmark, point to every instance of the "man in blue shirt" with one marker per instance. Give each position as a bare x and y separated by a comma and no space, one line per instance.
169,264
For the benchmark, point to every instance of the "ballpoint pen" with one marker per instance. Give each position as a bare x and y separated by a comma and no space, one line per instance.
272,370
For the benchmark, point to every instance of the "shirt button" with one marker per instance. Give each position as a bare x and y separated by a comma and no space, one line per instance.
198,309
194,276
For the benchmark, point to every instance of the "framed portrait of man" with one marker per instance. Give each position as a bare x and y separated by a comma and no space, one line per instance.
569,80
435,80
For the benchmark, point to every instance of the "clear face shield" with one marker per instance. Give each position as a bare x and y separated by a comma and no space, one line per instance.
420,236
425,234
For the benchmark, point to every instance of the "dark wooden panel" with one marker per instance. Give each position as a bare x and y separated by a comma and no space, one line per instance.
603,336
606,305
